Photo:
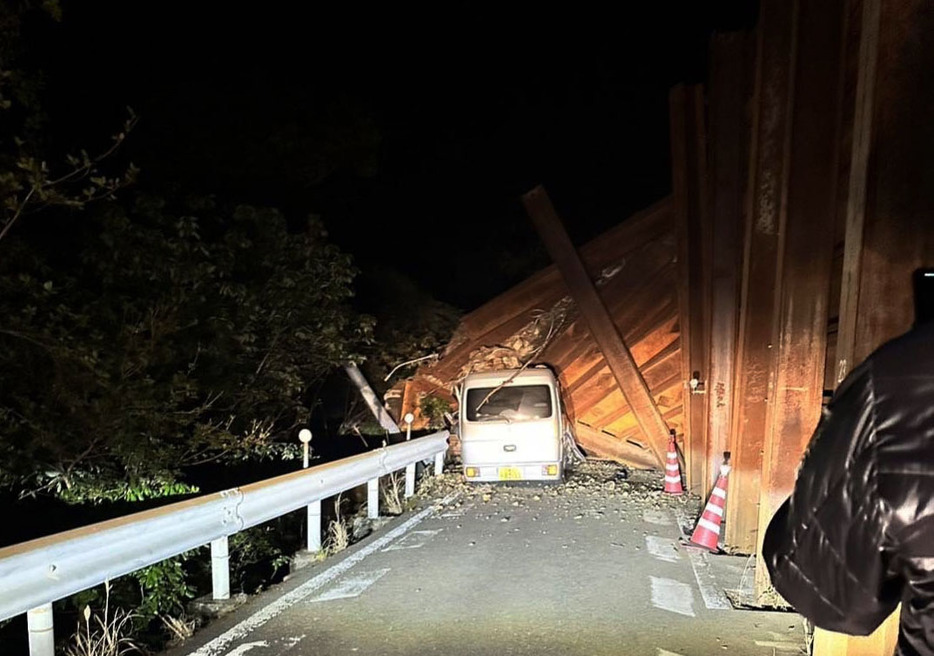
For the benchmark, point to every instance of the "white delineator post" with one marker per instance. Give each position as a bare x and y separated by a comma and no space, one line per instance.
313,509
372,499
410,468
220,568
41,631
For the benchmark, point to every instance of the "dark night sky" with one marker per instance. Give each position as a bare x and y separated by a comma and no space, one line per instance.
471,106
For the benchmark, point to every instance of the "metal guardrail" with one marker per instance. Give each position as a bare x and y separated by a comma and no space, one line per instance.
34,574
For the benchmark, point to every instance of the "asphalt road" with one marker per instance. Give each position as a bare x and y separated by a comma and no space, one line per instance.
591,567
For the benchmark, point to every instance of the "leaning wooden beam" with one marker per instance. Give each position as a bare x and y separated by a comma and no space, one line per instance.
805,265
372,401
486,324
601,325
604,445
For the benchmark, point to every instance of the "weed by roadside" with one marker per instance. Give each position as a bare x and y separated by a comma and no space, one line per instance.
392,491
108,635
338,537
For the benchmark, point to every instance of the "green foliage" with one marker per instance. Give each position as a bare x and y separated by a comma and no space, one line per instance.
164,589
258,554
175,336
433,409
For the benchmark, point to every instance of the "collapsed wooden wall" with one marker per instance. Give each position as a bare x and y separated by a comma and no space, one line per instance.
634,266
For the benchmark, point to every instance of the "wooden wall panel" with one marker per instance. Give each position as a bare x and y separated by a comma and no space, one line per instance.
731,83
688,196
764,216
805,264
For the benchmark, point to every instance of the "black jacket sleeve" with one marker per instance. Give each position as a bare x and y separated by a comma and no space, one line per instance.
826,546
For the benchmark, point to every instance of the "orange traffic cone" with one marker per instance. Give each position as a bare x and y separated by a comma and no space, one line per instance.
672,469
707,532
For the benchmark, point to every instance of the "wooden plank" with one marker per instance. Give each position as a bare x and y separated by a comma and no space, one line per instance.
601,383
648,297
880,643
763,218
731,84
888,227
652,314
631,434
899,229
806,262
646,341
608,420
508,313
861,141
607,446
601,324
687,175
631,234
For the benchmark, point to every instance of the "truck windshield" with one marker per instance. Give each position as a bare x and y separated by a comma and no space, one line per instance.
510,403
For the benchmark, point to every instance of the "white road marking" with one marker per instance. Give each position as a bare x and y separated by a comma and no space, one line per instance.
657,517
290,642
673,596
665,652
414,540
713,596
352,586
247,646
661,548
273,609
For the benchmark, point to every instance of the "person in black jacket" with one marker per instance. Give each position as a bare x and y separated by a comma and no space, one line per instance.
856,537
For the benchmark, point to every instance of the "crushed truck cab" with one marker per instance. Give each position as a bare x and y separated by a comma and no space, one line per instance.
511,426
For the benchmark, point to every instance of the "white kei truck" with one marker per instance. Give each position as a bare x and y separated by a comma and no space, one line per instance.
511,425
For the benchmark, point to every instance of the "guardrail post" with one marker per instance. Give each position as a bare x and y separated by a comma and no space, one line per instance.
439,463
220,568
372,498
409,480
314,526
41,631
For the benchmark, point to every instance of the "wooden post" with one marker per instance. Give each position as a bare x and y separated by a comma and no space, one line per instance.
805,263
688,180
855,210
732,66
602,328
763,221
888,212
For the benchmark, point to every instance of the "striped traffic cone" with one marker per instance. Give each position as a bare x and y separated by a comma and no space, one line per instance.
672,469
707,532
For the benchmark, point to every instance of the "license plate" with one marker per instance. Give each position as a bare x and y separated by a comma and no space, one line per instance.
510,474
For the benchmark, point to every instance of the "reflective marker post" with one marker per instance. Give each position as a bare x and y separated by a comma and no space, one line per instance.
313,510
220,568
410,468
372,498
41,631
